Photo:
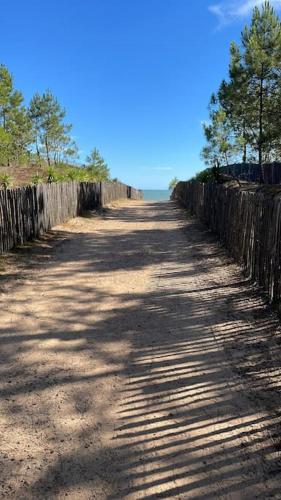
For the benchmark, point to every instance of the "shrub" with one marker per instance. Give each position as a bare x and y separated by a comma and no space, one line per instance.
37,179
173,183
5,181
54,175
213,174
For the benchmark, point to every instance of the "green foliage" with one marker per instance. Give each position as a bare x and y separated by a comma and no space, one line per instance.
208,175
39,134
53,175
20,129
37,179
77,174
261,60
51,133
245,119
10,99
173,183
5,146
72,175
204,176
220,144
15,127
97,168
64,172
5,181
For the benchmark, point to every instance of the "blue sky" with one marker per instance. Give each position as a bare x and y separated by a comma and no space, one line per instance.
134,75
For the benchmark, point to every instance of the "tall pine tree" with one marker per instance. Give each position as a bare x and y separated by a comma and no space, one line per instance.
250,101
52,138
15,127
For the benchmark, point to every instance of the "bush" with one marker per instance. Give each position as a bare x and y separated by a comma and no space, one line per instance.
71,175
5,181
173,183
54,175
37,179
213,174
77,174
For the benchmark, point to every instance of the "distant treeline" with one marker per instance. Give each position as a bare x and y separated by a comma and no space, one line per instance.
37,133
244,114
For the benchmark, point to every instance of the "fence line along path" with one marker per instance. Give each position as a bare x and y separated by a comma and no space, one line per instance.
28,212
247,221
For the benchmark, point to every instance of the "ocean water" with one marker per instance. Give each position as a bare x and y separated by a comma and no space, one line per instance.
156,194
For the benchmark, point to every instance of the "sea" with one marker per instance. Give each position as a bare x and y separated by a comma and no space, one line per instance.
156,194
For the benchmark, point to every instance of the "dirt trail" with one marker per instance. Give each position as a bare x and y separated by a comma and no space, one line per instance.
136,362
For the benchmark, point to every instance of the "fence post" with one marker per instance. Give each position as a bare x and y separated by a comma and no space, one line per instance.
101,194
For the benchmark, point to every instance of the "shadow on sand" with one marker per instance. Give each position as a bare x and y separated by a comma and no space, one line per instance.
199,405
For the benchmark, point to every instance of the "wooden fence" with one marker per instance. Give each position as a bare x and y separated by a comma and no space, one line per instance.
111,191
26,213
251,172
247,221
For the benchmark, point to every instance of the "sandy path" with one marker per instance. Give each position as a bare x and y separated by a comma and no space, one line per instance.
136,362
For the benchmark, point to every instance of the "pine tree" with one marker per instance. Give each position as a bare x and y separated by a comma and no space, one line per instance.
245,118
232,97
20,129
220,148
97,167
15,127
261,60
51,133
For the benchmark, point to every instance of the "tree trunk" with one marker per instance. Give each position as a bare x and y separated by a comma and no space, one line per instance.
38,154
260,141
244,145
245,153
47,151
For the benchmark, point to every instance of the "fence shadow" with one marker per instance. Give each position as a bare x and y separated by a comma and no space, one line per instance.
167,392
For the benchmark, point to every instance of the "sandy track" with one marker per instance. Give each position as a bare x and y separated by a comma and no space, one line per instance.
136,362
